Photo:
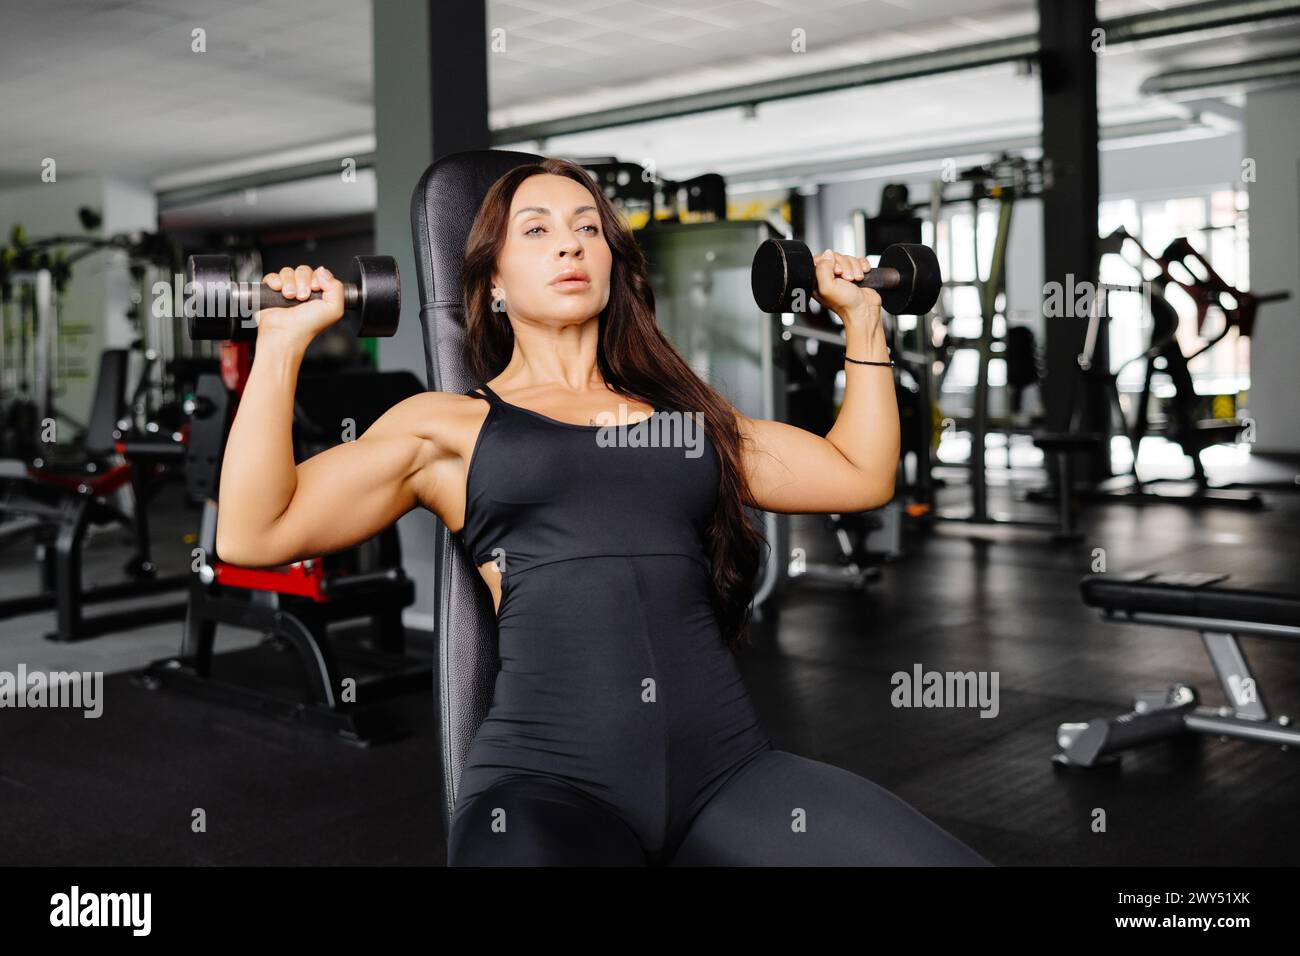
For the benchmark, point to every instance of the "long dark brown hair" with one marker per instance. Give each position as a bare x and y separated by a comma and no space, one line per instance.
636,360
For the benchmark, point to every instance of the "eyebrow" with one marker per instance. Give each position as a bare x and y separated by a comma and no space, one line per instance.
546,212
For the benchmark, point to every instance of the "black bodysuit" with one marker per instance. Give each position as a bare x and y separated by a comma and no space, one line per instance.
620,730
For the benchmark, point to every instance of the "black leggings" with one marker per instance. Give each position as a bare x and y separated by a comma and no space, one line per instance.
780,809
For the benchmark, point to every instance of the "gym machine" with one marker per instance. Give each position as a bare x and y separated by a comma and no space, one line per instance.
30,287
700,276
1187,425
1006,181
169,361
332,683
64,494
926,357
62,490
33,276
647,200
33,371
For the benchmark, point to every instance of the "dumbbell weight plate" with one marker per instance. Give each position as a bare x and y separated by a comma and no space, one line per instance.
770,275
379,287
919,279
208,307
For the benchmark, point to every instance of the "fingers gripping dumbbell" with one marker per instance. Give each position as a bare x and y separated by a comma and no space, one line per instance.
907,278
218,307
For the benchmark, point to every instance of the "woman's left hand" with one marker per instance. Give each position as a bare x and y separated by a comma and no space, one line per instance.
836,289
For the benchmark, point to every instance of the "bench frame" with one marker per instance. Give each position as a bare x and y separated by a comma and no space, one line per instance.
1175,712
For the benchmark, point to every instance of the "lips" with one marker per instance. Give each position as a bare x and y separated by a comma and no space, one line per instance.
572,279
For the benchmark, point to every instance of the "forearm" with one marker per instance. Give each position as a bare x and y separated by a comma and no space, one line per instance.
866,429
258,472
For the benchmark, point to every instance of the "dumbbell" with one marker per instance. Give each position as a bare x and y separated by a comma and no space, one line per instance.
217,307
907,278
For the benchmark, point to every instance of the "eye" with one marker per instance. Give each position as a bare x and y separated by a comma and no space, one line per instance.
595,230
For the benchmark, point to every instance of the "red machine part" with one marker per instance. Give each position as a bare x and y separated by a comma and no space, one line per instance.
304,578
236,363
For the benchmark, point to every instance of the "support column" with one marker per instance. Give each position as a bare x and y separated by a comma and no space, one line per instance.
1272,170
1069,91
431,99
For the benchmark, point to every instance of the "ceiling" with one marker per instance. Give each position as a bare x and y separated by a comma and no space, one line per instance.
114,87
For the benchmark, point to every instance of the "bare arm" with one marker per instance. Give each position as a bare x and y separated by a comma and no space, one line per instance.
272,511
791,470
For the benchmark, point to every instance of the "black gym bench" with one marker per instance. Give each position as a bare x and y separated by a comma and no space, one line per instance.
1261,602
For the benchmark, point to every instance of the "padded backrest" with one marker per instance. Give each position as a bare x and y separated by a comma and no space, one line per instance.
328,403
443,207
109,405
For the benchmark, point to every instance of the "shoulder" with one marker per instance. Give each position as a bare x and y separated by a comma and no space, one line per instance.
441,428
438,419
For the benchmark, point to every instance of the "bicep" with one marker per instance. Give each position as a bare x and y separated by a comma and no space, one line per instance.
790,470
350,492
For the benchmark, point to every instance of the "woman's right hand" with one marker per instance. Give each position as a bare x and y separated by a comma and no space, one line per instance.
301,323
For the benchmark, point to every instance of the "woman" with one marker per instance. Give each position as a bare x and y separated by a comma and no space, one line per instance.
611,533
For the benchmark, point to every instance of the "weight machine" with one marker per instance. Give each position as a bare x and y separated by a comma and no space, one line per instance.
1186,426
926,356
30,289
63,494
295,606
33,276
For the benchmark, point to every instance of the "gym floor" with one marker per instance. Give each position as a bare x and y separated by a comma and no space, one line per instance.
98,792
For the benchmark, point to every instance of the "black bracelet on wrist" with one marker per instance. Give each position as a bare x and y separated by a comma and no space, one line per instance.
890,363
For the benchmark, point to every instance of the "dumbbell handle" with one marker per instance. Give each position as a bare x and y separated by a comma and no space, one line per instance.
250,298
881,277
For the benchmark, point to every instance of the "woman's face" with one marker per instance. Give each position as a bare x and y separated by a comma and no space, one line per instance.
554,228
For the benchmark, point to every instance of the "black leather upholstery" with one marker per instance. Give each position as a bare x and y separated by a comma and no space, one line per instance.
443,207
1259,599
98,444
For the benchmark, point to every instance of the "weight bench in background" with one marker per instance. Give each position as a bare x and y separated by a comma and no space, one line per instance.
61,495
1222,609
